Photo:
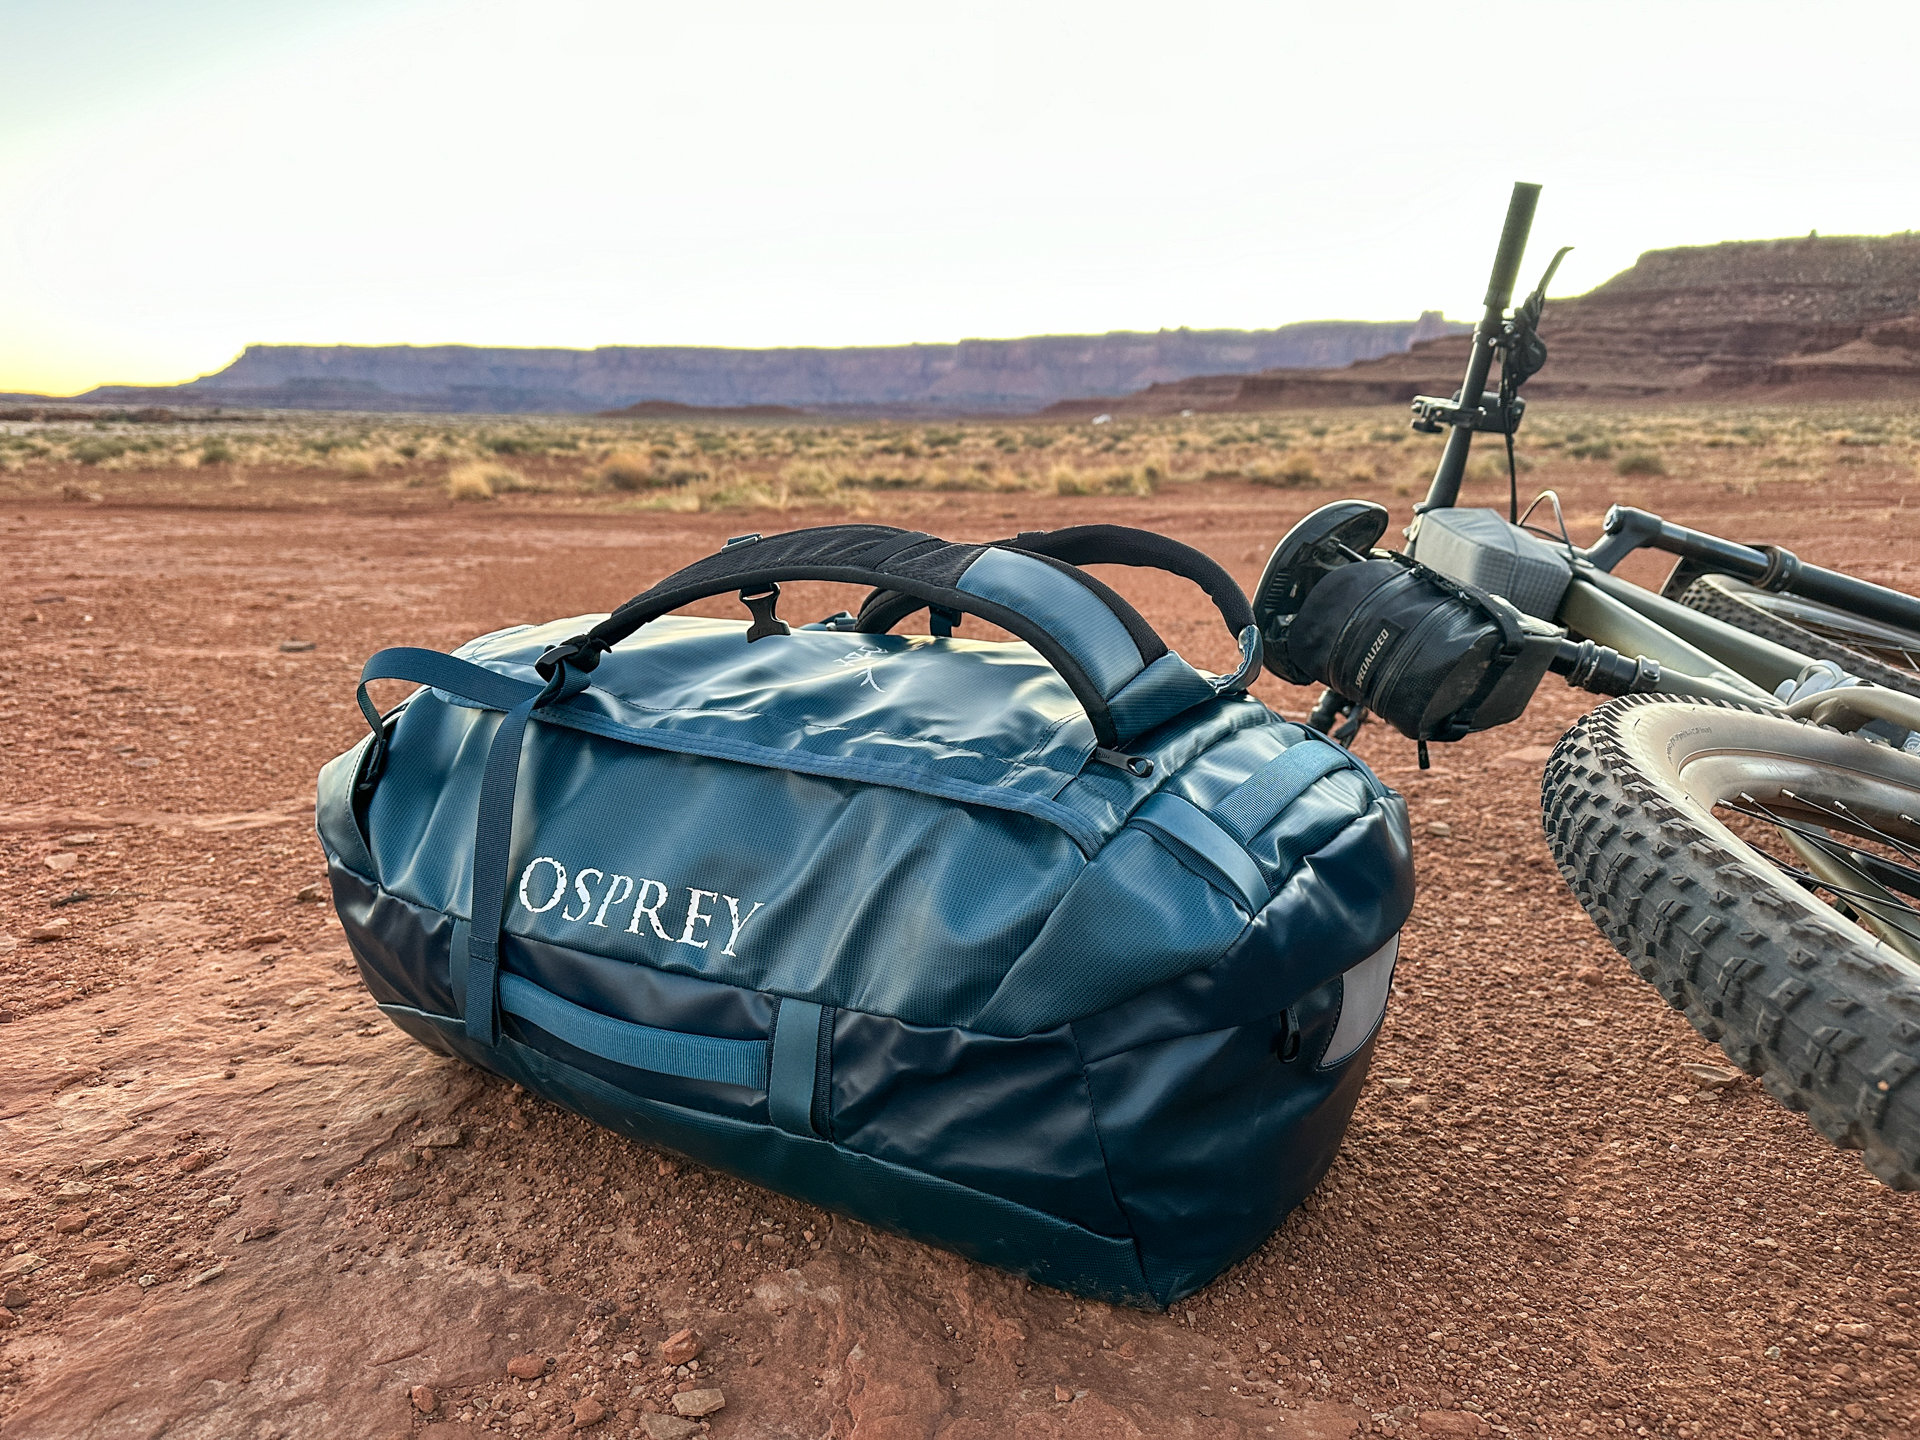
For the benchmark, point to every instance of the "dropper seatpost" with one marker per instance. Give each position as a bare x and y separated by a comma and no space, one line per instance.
1506,269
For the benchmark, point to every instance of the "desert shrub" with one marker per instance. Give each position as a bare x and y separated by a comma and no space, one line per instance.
625,470
1639,462
93,451
408,451
810,479
355,464
78,492
470,482
512,445
216,452
1068,480
1292,473
1592,450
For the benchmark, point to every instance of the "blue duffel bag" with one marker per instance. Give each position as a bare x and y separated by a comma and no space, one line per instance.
1055,952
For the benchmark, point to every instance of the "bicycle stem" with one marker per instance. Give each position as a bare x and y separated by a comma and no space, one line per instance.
1506,268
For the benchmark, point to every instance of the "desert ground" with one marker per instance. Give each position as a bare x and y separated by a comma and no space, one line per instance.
236,1203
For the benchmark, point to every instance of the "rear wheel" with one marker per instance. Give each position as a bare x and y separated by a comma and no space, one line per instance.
1764,874
1885,654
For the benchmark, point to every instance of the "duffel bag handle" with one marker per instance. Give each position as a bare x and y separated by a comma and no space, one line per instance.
1119,670
1079,545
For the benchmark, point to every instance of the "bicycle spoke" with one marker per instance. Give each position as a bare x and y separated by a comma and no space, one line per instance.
1853,860
1840,809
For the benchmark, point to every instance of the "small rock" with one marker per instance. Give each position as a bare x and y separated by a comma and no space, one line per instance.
682,1346
1856,1412
1062,1394
71,1191
526,1367
22,1264
696,1403
1439,829
1399,1086
310,894
61,861
95,1164
102,1267
1711,1077
197,1160
7,1319
266,1229
1591,975
295,647
263,939
668,1427
72,1223
441,1137
1841,1372
1854,1331
206,1276
588,1411
52,930
1450,1422
404,1189
15,1297
424,1400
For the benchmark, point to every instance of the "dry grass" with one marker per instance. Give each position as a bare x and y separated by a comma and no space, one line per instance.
860,467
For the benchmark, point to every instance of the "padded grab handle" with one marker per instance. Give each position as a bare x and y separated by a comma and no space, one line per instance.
1094,545
1097,642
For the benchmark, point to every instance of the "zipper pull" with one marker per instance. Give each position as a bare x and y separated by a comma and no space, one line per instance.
1133,764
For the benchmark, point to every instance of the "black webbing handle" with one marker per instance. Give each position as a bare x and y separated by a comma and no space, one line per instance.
1095,545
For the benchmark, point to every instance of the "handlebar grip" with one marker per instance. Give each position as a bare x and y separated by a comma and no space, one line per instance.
1513,244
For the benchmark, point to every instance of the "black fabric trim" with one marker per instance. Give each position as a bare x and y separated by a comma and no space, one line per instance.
822,1114
879,554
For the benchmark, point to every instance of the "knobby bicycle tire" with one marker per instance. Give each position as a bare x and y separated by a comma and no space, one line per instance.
1821,1011
1712,595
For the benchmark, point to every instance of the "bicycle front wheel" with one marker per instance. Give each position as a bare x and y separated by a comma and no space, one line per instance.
1885,654
1764,874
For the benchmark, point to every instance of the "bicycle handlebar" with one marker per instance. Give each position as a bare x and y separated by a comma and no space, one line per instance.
1513,245
1506,267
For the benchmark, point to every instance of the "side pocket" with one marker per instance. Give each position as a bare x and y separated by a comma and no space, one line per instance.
333,812
1363,1004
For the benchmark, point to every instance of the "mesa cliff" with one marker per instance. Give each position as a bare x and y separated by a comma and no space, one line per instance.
1819,317
972,376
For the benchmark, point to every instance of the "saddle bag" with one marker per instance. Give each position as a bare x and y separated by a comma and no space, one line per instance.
1436,658
1055,952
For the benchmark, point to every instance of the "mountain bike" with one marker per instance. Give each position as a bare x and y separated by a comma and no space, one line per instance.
1741,818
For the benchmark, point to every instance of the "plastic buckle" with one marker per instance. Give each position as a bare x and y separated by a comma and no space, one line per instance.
583,652
760,604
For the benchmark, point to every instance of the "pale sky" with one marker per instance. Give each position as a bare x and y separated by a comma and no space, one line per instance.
183,179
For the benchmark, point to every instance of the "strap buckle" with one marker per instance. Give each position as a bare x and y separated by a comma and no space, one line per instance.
760,604
583,652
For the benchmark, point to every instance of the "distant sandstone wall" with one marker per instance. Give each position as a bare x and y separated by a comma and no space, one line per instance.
1832,315
973,375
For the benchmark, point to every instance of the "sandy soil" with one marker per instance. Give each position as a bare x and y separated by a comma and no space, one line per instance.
236,1203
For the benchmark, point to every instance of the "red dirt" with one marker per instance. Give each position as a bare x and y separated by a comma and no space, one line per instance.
293,1216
